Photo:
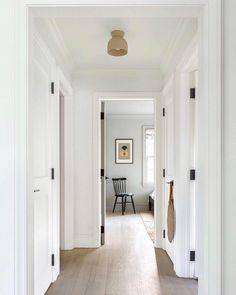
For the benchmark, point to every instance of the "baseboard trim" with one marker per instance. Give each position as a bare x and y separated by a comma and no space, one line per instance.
86,241
129,208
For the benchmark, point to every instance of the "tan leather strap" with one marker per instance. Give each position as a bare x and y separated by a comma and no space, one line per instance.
171,195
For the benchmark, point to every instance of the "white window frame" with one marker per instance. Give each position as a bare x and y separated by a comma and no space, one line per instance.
144,170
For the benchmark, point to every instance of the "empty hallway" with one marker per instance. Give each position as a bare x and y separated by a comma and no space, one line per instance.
128,264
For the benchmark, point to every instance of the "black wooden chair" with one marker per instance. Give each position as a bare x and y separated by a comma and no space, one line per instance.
119,185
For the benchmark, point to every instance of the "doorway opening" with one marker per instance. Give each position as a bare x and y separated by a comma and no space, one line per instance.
128,158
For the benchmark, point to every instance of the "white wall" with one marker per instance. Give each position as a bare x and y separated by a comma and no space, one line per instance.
127,127
229,148
86,83
8,192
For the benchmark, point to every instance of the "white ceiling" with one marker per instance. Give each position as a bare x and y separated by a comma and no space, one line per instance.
148,39
129,108
82,34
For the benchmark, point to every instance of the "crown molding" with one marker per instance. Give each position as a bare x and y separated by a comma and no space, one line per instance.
58,43
169,54
130,116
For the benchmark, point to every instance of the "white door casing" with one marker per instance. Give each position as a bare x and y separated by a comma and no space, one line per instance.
169,154
98,98
192,76
185,160
67,209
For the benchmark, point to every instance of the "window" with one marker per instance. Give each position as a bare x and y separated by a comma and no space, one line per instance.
148,156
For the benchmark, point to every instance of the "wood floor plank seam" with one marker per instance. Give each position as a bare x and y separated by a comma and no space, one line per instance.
128,264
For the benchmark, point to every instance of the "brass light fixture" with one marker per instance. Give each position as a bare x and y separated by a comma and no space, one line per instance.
117,45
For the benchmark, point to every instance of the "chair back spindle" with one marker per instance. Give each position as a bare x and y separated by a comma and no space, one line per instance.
119,185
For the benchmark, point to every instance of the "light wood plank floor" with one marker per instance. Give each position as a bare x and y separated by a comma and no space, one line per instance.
127,265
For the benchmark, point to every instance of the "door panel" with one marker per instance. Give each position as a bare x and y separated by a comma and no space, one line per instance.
41,178
42,225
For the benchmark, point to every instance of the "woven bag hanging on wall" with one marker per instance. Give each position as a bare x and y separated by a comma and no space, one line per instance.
171,215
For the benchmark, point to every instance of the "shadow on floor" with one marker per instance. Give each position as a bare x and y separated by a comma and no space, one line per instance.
169,282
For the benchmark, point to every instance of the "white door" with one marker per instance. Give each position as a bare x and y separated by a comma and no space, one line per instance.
43,216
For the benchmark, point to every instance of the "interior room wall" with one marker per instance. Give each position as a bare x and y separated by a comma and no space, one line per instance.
129,126
11,175
86,84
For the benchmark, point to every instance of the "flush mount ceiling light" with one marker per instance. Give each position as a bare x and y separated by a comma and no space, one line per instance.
117,45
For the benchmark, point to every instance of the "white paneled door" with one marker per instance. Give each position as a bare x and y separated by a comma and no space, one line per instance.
44,191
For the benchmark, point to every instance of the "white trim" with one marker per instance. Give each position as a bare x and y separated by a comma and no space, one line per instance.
59,41
179,34
129,117
109,96
85,241
187,64
61,51
144,182
67,241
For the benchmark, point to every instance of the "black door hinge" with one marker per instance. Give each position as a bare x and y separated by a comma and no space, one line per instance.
53,260
52,87
102,229
192,174
52,173
102,172
192,256
163,112
102,115
192,93
164,172
164,234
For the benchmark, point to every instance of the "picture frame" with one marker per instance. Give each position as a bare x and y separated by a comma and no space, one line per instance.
124,151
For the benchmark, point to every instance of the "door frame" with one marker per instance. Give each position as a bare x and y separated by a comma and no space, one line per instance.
210,20
188,63
67,239
124,96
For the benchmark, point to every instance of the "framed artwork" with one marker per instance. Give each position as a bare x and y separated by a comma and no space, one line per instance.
124,151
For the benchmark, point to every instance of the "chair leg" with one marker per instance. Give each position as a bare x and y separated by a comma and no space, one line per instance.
133,204
122,205
114,205
125,204
150,204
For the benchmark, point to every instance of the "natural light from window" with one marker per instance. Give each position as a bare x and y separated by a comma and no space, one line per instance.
148,155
